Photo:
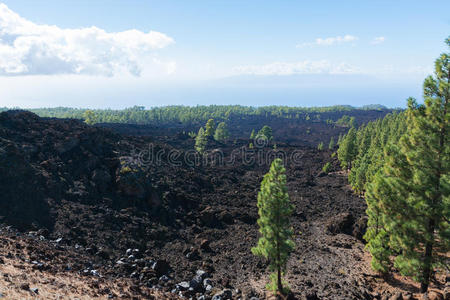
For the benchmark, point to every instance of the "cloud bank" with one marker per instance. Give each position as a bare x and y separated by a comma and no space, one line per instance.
293,68
27,48
329,41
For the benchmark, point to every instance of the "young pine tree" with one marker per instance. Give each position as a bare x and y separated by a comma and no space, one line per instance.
339,139
320,146
348,149
221,133
331,144
210,127
201,140
90,117
412,195
274,211
265,132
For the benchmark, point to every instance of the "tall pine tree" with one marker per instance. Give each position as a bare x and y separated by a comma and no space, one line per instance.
409,201
221,133
274,211
210,127
201,140
348,149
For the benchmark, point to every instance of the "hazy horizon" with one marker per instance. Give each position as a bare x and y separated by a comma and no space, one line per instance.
109,54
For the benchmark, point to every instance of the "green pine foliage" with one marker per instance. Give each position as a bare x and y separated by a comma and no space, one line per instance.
326,168
201,141
348,149
402,164
370,141
346,121
339,139
320,146
274,210
221,133
210,127
265,132
331,144
89,117
193,114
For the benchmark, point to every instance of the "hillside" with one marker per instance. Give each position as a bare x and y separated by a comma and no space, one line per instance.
121,212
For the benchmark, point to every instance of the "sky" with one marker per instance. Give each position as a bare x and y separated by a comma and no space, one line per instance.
121,53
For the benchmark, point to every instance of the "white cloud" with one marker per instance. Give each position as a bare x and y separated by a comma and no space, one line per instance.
329,41
378,40
27,48
292,68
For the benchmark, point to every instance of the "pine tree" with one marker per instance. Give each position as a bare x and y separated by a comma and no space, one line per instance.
265,132
221,133
348,149
412,194
274,211
331,144
320,146
201,140
339,139
210,127
90,117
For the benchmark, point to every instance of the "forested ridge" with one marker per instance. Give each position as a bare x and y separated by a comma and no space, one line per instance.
192,114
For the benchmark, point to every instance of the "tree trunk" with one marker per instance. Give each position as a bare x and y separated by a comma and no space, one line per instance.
426,274
280,286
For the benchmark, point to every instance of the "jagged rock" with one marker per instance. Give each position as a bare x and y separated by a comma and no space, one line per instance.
311,296
225,217
193,254
342,223
129,184
407,296
201,274
208,217
397,296
434,295
161,267
226,294
206,282
204,245
447,293
67,145
183,286
359,228
101,178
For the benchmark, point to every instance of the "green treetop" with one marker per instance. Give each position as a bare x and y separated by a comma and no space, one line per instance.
210,127
331,144
201,140
90,117
320,146
221,133
348,149
265,132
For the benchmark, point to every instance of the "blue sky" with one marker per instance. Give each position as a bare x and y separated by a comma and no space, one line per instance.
123,53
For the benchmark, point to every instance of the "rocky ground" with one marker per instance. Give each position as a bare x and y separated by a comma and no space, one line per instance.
94,213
